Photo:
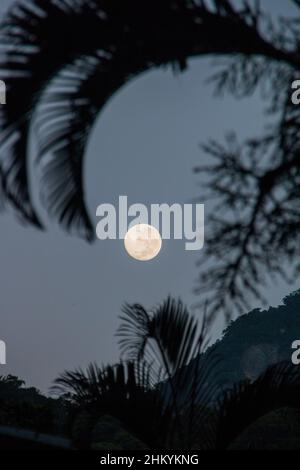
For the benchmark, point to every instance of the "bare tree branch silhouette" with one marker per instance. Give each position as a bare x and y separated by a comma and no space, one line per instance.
254,227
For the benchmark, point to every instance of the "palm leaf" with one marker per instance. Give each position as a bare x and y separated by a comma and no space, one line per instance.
171,340
64,121
123,391
34,51
169,331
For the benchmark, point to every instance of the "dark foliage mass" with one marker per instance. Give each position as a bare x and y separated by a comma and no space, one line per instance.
277,388
63,60
25,407
256,341
177,391
148,385
165,397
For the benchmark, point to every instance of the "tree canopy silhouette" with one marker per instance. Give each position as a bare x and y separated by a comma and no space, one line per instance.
153,384
63,60
164,382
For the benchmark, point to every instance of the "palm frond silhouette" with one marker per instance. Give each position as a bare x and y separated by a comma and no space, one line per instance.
124,391
153,384
170,338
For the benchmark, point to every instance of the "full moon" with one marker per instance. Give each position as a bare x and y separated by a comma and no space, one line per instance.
143,242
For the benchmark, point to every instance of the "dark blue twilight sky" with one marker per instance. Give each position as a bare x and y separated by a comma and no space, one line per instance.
60,298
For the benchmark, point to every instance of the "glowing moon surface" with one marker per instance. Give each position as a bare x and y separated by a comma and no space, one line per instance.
143,242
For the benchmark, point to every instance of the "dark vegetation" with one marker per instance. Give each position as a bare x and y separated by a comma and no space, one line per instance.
162,396
169,390
257,340
25,407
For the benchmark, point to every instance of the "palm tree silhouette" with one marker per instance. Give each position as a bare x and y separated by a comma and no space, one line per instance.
122,391
162,391
151,392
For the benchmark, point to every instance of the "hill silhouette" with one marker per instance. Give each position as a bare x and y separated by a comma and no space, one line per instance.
256,341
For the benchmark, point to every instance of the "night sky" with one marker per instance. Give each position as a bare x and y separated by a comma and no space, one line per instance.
60,297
